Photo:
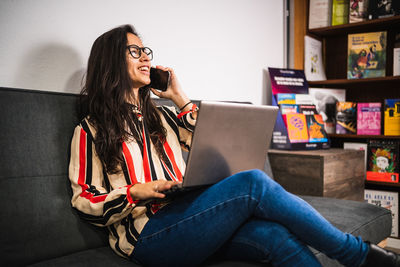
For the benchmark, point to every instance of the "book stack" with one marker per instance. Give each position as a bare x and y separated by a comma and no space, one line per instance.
298,125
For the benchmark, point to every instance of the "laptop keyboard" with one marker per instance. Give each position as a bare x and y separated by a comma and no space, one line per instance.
173,190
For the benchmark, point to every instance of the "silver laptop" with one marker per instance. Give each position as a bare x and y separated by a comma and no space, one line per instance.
228,138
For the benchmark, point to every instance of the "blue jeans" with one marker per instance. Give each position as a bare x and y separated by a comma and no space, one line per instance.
247,216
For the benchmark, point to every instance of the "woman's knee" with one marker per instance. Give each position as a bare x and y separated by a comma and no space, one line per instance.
259,178
254,175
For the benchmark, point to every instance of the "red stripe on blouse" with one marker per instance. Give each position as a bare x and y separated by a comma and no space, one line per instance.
146,163
82,171
129,163
82,161
171,157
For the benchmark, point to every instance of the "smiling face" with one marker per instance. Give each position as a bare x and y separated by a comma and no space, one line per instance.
138,69
382,162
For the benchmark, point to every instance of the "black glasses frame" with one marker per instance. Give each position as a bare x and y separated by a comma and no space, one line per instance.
140,49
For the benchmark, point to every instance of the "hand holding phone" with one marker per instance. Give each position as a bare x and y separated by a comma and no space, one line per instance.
159,79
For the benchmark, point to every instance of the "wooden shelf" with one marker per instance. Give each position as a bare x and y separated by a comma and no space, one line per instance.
382,184
365,26
354,81
354,136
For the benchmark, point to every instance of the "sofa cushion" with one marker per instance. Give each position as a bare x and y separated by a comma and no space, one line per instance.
37,219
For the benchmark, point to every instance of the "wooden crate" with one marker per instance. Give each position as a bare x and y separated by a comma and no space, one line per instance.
334,172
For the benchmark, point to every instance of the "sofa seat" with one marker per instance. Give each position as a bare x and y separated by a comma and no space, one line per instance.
39,226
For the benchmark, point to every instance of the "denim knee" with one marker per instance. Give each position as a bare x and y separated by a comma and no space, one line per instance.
259,178
255,175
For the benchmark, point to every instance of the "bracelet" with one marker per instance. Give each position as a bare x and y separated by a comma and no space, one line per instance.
185,105
183,113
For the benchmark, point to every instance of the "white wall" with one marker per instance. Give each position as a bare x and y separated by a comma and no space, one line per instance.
218,48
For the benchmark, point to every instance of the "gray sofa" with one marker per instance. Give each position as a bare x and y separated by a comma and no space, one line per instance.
39,226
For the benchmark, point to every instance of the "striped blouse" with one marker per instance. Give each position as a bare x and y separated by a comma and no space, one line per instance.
103,199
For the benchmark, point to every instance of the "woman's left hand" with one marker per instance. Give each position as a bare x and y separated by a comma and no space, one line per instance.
174,90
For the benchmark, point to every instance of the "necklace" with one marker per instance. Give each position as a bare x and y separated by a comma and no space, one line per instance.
136,109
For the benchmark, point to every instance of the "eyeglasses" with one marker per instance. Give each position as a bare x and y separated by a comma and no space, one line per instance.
136,51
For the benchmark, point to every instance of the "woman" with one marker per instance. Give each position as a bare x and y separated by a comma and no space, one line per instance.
127,151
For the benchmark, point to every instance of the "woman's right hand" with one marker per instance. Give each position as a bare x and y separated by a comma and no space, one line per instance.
149,190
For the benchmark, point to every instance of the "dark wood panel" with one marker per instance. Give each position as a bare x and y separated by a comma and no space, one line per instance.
369,25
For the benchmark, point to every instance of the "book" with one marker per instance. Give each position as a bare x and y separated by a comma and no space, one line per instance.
366,55
383,161
288,108
320,13
316,132
382,8
396,61
340,12
346,118
286,98
369,118
325,100
358,146
297,127
308,110
303,99
392,117
388,200
313,66
358,10
287,81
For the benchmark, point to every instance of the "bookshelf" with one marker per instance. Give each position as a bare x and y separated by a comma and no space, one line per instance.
334,43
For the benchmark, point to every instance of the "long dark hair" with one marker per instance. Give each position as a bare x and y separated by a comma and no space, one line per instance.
104,98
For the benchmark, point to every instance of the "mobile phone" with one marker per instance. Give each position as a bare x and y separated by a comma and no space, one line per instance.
159,79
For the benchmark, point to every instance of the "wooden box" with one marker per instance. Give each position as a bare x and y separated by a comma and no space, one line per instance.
334,172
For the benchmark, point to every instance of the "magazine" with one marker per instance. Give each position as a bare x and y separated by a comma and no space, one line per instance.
366,57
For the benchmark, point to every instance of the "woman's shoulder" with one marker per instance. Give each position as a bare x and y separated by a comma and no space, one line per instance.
86,125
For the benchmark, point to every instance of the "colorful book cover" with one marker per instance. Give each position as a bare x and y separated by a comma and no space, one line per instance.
340,12
297,128
289,109
303,99
308,109
358,146
383,161
387,200
392,117
288,81
313,65
346,118
316,131
366,55
369,118
286,98
382,8
325,100
320,13
358,10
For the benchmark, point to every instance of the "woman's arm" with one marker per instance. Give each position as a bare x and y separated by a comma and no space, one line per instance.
94,202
